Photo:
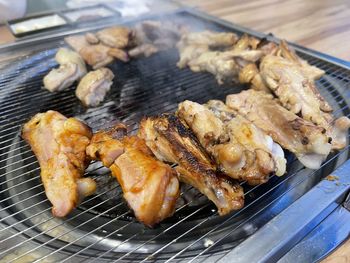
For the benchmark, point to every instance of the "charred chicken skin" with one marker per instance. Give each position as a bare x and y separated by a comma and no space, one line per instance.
149,186
241,149
307,141
171,141
59,143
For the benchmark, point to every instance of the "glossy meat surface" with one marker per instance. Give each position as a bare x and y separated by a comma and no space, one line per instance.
59,143
241,149
307,141
171,141
149,186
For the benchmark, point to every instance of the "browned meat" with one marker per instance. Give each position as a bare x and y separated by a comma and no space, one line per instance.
149,186
59,144
306,140
293,83
242,150
171,141
94,86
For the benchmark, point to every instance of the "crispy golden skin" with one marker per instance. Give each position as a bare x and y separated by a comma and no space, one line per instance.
59,144
307,141
171,141
149,186
242,150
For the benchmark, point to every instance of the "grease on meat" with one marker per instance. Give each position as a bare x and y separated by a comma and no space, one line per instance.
242,150
59,143
171,141
149,186
307,141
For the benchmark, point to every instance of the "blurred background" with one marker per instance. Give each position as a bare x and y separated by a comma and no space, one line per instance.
317,24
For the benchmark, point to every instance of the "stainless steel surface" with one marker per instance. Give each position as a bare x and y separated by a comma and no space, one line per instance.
289,227
329,234
102,228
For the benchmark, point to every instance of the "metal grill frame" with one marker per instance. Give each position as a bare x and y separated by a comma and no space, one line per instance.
206,253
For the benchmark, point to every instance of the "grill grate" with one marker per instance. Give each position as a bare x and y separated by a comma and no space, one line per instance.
102,227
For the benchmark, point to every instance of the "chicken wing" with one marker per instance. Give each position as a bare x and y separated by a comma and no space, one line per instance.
72,68
171,141
94,86
242,150
59,144
149,186
307,141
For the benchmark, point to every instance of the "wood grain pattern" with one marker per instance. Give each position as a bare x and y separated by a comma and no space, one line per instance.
322,25
341,255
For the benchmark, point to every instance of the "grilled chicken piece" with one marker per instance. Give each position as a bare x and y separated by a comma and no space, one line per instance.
150,187
153,36
93,88
286,52
193,44
171,141
250,74
115,37
225,65
71,69
249,135
297,92
97,55
242,150
59,143
307,141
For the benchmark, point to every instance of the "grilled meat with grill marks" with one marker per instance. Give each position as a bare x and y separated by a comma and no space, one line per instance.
94,86
149,186
59,144
242,150
307,141
171,141
72,68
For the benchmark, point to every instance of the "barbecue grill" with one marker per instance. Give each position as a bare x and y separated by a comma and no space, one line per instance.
299,217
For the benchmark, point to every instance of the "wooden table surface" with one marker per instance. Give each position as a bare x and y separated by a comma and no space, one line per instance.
322,25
